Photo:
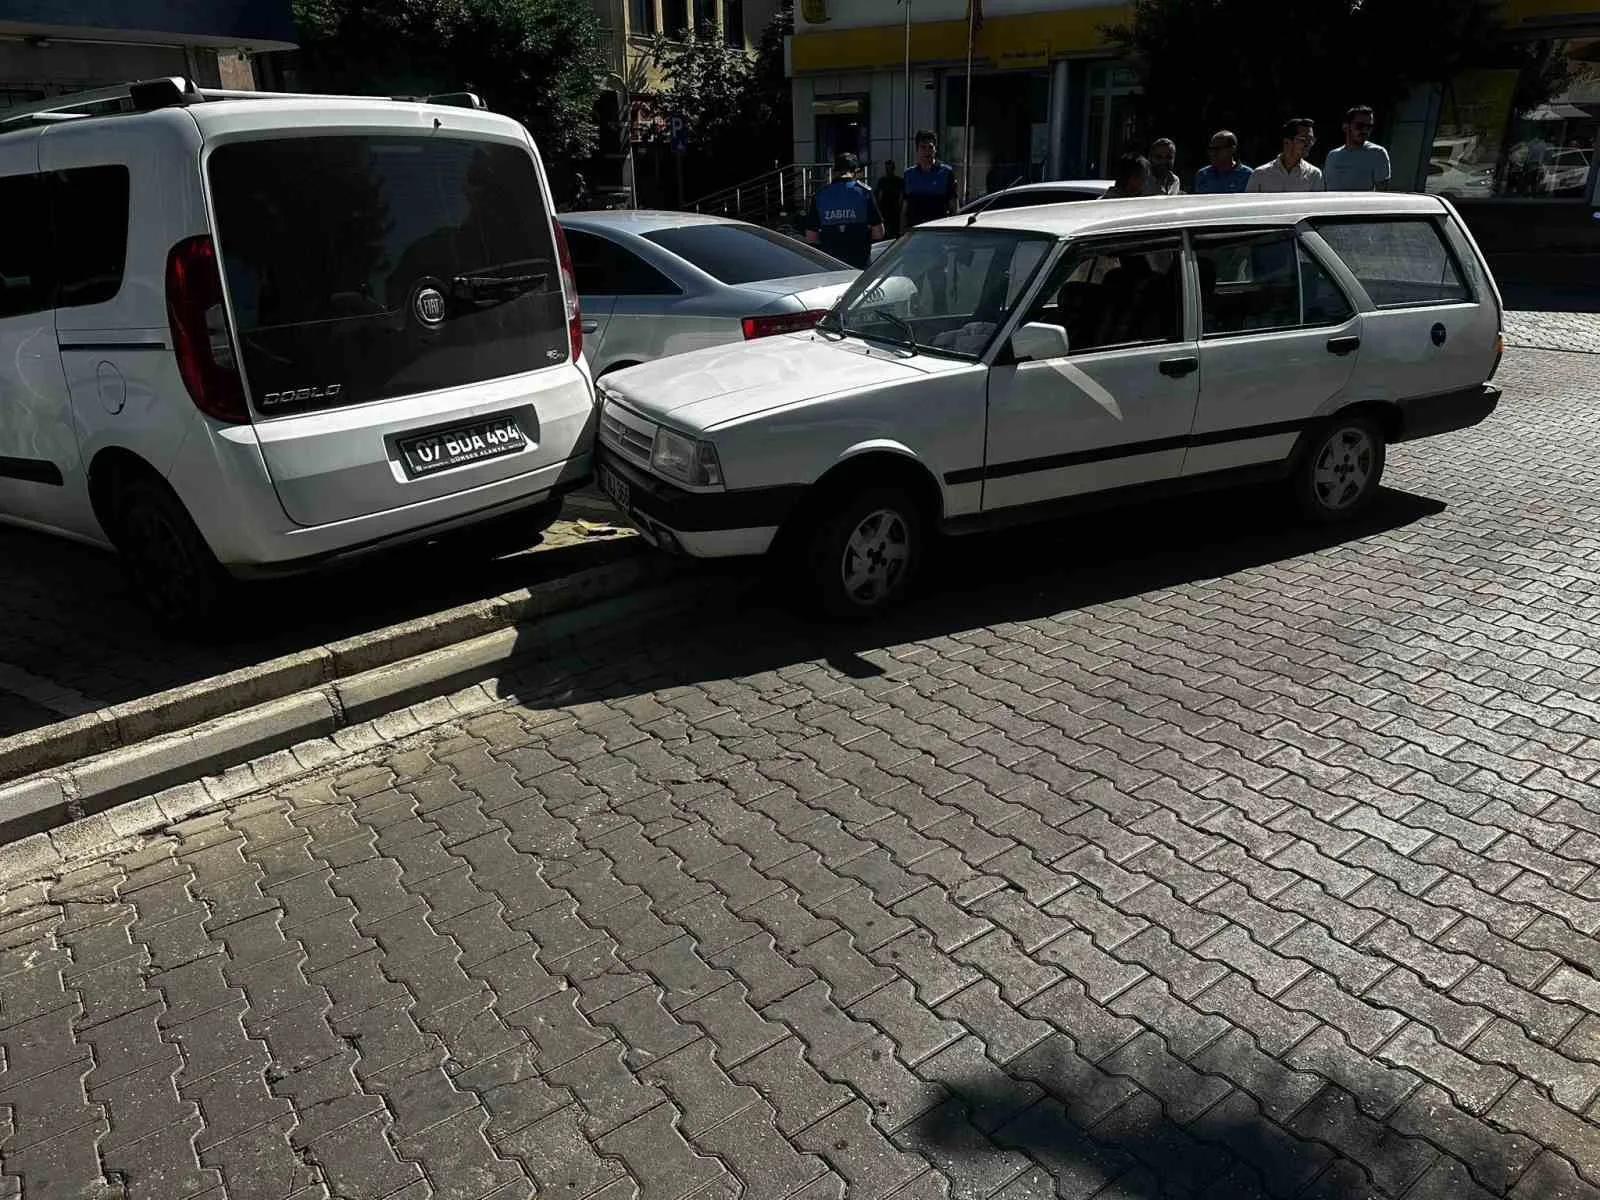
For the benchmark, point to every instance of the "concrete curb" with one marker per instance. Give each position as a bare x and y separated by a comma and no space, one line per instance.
93,764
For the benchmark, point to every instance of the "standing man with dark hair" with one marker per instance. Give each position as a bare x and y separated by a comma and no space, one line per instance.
1360,165
890,193
1162,180
1226,175
844,219
1290,172
1130,178
930,185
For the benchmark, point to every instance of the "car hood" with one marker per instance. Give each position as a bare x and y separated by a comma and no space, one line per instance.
705,388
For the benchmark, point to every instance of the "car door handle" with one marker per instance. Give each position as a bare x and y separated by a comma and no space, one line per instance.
1344,345
590,326
1177,368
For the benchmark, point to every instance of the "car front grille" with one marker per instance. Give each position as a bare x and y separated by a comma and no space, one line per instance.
626,433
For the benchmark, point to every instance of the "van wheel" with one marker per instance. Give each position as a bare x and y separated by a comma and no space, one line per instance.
172,569
864,552
1340,471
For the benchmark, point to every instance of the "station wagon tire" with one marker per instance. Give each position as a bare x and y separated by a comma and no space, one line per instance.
864,551
1340,469
172,570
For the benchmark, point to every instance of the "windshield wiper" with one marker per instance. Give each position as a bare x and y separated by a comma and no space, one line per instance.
909,341
485,291
830,326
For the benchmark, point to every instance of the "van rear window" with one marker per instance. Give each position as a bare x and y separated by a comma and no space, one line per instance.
362,268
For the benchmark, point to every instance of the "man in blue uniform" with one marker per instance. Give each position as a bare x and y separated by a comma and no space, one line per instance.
930,185
844,219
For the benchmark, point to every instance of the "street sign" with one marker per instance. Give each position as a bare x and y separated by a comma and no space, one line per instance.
679,128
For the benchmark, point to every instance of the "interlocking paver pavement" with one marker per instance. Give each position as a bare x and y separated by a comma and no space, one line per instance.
1177,854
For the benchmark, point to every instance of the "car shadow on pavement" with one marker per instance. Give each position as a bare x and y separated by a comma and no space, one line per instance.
1016,575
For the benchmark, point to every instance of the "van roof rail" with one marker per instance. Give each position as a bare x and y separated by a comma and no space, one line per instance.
147,95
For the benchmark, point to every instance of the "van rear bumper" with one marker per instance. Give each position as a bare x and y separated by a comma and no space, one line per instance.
506,510
1428,416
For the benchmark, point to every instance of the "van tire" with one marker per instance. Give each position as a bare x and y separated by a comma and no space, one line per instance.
1339,468
172,570
884,522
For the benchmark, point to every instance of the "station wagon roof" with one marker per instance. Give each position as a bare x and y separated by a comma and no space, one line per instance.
1166,212
638,220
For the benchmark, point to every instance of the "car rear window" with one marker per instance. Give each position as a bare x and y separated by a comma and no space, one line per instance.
744,253
1034,199
367,267
1402,263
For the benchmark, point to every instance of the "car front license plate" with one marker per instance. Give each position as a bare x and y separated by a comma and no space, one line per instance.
616,487
446,448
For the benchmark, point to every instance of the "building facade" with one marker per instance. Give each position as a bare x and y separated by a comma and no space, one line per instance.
54,47
1050,100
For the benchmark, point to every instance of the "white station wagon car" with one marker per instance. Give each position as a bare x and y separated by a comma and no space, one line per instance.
1013,365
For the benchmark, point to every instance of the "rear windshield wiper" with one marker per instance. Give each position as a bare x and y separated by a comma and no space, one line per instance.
484,291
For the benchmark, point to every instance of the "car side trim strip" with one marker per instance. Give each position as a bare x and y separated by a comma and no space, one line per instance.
105,347
1078,458
31,470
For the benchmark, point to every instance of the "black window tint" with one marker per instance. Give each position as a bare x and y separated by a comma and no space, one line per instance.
1252,282
24,246
604,268
1033,199
386,265
1401,262
89,209
1126,294
744,253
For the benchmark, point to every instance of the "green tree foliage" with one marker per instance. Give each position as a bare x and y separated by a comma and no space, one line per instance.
1248,65
539,61
736,103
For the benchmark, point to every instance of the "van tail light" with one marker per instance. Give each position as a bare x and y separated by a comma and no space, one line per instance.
1499,353
569,291
760,327
200,338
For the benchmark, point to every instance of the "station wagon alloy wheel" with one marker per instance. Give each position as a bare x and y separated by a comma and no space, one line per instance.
1344,468
1341,470
875,557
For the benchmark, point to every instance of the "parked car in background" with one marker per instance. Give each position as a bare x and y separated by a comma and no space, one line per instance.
660,283
1027,195
251,336
1048,359
1566,172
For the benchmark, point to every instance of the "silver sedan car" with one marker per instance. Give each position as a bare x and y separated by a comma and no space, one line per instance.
653,284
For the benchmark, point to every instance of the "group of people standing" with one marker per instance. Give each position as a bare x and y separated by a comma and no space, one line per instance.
1359,165
846,216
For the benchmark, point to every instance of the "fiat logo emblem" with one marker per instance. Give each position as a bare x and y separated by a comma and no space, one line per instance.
429,305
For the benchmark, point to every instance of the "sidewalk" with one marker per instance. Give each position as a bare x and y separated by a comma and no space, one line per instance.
74,640
1553,318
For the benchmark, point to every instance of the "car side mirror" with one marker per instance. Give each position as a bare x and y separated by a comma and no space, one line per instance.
1039,340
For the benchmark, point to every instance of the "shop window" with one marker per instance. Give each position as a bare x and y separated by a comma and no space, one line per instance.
1487,146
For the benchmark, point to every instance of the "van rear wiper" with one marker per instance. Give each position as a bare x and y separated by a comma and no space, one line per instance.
485,291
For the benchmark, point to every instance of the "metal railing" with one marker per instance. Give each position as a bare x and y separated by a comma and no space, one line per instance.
773,198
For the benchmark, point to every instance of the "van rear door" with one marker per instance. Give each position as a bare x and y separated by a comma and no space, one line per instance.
398,304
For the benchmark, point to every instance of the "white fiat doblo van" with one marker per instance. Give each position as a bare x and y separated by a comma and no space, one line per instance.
245,334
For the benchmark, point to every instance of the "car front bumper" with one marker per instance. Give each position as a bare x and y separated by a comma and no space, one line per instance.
727,524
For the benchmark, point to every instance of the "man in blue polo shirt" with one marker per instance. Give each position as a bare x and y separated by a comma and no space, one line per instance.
1226,175
844,219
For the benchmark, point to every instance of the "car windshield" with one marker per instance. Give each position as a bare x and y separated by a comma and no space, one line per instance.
737,254
942,291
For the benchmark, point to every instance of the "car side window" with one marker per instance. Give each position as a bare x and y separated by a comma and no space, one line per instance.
1114,295
604,268
1253,282
89,206
25,246
1402,262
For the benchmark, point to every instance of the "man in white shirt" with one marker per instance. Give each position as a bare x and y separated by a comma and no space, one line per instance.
1290,172
1360,165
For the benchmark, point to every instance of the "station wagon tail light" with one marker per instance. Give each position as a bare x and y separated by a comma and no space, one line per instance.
569,293
200,339
760,327
685,459
1499,353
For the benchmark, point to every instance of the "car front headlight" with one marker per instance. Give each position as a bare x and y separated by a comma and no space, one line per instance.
685,459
